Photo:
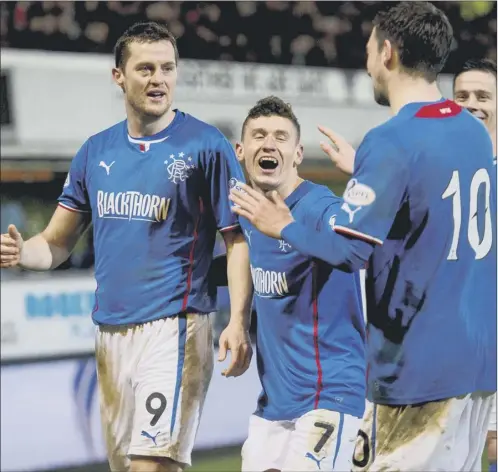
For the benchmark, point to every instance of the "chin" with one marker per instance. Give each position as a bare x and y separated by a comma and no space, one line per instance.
380,96
381,99
155,112
266,183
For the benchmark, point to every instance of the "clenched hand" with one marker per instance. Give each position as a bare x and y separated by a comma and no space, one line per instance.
10,248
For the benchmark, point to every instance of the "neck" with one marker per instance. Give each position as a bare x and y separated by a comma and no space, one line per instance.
284,190
406,89
140,126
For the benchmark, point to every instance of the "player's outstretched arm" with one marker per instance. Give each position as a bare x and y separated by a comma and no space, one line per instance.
340,232
53,246
320,240
314,238
235,337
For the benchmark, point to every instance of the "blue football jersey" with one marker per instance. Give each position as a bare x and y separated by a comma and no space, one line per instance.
422,204
156,204
310,334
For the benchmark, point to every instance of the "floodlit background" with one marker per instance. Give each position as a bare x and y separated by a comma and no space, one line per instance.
56,90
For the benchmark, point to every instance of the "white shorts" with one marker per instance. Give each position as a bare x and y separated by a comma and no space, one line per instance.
153,379
492,418
318,440
445,435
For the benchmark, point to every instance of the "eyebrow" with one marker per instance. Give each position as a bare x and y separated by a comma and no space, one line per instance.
476,91
146,63
265,131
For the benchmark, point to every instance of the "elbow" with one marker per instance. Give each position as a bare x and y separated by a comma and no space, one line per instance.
352,256
350,265
354,265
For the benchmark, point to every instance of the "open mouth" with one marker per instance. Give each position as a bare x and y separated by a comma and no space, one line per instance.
479,114
268,163
156,95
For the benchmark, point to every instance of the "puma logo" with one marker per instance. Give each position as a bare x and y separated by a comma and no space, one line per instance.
349,211
153,438
315,459
106,167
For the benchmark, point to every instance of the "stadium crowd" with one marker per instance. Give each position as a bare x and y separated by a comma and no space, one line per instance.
278,32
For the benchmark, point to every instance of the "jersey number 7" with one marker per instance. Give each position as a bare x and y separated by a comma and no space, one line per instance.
480,247
327,433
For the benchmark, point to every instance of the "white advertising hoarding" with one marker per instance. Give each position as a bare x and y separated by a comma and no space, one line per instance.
75,97
47,317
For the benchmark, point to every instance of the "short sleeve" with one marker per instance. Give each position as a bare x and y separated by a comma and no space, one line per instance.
374,194
74,195
223,172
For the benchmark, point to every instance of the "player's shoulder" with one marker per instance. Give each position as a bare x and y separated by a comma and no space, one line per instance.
443,123
313,195
207,132
404,132
114,131
101,141
320,191
106,138
476,127
383,137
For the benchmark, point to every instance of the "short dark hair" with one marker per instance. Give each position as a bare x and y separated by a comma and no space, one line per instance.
147,32
483,65
420,32
272,106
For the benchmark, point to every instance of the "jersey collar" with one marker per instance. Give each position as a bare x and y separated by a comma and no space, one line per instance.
144,143
299,192
411,109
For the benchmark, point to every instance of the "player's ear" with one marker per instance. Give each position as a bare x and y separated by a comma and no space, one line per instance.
299,155
118,77
389,55
239,151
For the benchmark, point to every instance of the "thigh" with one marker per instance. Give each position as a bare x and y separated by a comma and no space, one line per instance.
479,408
322,440
441,435
170,385
492,417
266,443
114,353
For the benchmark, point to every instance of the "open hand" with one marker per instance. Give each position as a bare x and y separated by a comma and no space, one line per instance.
269,214
341,153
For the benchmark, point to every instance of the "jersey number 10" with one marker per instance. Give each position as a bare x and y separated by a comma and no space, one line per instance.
480,246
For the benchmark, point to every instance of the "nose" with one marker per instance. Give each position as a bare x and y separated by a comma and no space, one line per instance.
157,78
471,103
269,145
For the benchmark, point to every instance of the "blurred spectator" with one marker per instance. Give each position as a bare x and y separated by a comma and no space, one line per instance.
302,33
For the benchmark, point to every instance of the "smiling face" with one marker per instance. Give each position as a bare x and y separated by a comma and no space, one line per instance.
271,152
475,90
148,77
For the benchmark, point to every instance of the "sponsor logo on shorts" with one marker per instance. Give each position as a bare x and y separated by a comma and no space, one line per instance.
152,438
315,459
